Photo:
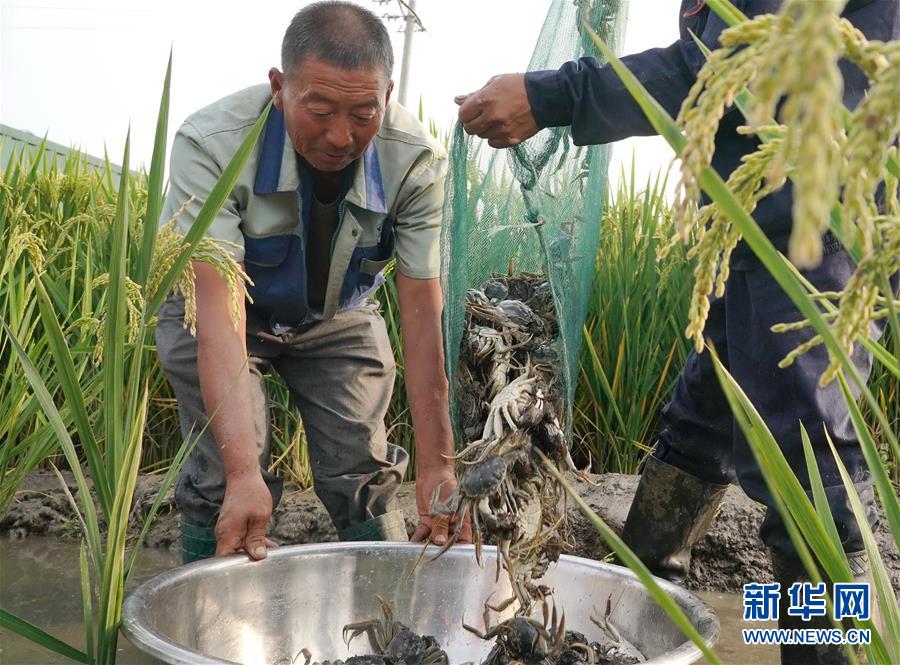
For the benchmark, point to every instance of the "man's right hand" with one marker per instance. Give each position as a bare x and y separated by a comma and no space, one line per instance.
244,517
224,383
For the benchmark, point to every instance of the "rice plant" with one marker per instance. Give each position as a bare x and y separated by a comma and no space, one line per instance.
56,224
105,353
633,338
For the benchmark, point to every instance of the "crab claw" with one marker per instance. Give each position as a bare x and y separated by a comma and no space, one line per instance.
454,535
447,507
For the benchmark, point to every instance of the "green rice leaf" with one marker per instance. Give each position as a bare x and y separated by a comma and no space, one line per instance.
62,434
116,325
727,11
86,599
31,632
601,374
788,494
884,284
113,582
877,651
74,395
877,468
820,500
155,181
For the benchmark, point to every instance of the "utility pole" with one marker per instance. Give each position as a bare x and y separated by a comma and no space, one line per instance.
412,24
412,21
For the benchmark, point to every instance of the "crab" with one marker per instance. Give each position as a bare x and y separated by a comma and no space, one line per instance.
409,648
379,631
484,311
577,651
523,639
511,403
495,289
353,660
612,647
477,483
393,642
520,314
521,286
474,296
470,403
484,342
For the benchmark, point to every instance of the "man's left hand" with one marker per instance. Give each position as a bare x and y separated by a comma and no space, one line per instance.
437,528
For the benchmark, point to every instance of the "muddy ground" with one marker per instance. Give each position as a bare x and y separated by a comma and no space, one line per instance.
730,555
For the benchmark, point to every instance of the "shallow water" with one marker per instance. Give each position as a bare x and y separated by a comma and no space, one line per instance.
39,581
731,650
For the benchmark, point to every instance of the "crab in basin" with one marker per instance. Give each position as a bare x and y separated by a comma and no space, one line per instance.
523,639
393,642
353,660
612,647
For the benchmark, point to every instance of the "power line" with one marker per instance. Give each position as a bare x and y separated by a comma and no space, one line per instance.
65,27
77,9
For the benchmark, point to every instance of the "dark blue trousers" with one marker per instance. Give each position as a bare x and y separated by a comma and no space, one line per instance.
700,435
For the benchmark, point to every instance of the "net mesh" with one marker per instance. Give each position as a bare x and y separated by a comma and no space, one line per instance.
533,208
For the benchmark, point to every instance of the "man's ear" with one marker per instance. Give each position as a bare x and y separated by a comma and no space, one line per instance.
276,82
387,93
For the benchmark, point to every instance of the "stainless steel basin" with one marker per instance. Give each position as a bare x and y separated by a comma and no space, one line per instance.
234,610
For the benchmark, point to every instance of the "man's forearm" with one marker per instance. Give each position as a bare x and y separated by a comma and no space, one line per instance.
221,363
427,390
426,380
222,369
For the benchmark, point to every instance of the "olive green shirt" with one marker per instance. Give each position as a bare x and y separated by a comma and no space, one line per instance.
412,167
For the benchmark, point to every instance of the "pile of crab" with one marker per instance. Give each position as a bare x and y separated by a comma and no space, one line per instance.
392,643
508,392
519,640
525,640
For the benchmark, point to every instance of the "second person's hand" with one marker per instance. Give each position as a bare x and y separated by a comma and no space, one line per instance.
499,112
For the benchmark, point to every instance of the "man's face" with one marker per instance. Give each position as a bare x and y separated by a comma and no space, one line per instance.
330,114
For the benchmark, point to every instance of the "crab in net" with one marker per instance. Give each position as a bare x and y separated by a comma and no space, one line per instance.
508,382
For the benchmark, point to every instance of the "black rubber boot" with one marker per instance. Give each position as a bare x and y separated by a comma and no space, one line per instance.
197,542
671,511
787,571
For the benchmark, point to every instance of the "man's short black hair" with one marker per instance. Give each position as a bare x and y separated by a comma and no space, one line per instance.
340,33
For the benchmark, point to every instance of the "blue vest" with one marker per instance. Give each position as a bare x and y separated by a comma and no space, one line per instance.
277,263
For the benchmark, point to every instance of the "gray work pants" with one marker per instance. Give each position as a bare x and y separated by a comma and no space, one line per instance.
340,373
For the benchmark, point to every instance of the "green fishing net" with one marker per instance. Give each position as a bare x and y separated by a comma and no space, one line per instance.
533,208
